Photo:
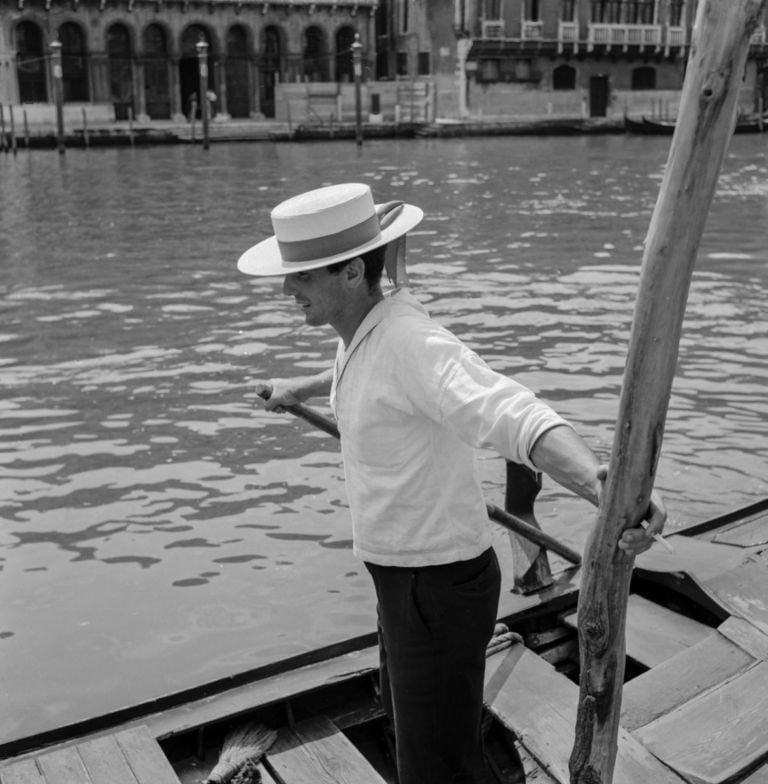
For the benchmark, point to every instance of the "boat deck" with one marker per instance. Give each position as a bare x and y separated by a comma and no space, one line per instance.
694,712
697,713
312,751
132,756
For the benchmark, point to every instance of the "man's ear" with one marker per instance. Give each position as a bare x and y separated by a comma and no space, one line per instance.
354,273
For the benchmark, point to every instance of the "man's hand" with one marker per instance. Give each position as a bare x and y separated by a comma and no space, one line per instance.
277,393
637,540
281,392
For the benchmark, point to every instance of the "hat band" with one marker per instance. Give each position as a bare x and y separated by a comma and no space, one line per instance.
330,244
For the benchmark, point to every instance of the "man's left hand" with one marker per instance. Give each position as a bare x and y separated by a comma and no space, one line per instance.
639,539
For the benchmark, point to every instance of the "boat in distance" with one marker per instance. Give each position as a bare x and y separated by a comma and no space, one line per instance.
662,127
693,707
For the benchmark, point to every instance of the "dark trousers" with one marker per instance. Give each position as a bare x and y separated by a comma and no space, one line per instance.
434,625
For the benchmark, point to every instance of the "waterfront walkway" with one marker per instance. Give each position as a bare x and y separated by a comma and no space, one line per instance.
171,132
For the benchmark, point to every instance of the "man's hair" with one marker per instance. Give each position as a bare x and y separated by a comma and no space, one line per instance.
373,261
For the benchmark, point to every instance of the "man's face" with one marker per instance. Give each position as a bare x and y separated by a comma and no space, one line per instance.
318,293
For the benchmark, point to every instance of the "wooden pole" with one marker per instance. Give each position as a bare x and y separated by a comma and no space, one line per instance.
705,122
357,68
13,129
86,140
3,147
202,55
58,92
130,125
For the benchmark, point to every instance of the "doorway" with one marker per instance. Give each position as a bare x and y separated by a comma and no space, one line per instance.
598,96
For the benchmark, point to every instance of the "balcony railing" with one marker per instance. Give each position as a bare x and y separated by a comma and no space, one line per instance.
567,33
676,38
610,35
493,28
532,31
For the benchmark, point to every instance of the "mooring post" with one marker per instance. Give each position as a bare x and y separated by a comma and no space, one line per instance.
58,92
202,58
357,68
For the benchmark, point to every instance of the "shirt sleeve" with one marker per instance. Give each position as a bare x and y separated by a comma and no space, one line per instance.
447,381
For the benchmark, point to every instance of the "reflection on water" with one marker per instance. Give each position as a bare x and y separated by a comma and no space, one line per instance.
160,530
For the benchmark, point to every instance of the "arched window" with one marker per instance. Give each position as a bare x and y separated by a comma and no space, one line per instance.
315,65
271,68
644,78
564,78
120,69
74,63
345,37
30,63
156,74
237,72
189,68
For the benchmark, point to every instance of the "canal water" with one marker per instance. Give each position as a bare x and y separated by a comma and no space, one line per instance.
159,530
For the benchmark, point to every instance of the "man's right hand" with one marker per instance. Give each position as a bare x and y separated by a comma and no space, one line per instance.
277,393
280,392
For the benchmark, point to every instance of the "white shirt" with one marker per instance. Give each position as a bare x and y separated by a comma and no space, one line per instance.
412,403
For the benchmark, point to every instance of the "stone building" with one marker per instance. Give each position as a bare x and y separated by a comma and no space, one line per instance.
421,59
141,56
596,58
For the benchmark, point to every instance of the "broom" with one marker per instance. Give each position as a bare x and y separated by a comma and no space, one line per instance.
243,746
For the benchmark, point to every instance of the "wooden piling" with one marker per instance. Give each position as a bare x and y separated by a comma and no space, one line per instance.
705,121
12,124
3,147
58,91
130,125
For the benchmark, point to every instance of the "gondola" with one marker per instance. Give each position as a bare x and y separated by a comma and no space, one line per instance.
694,698
654,127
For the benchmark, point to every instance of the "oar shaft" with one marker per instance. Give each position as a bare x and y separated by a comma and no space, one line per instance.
505,519
535,535
314,418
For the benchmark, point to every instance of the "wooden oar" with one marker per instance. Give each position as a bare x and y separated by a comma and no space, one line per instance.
706,118
506,520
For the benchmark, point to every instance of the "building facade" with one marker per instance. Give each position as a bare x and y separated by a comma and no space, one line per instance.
141,57
595,58
420,58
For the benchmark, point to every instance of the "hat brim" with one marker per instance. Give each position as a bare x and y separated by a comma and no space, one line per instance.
264,257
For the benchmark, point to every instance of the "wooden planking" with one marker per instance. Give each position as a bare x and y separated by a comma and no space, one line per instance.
63,766
715,736
760,776
132,756
692,556
752,531
145,757
22,772
538,705
654,633
746,636
104,760
744,591
681,678
315,752
269,690
534,773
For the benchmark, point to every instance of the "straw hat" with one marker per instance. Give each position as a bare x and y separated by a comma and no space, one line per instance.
327,225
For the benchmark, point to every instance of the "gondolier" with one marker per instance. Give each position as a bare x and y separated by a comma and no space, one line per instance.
413,403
